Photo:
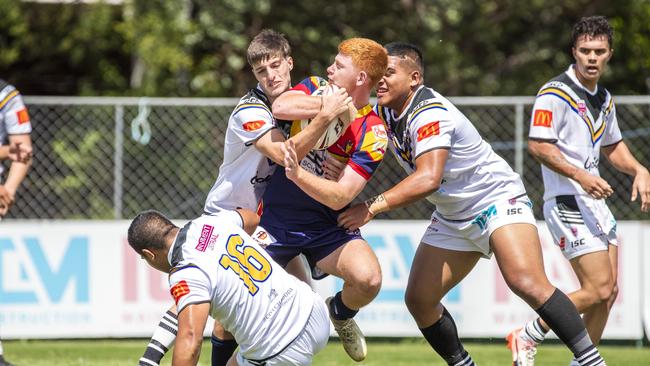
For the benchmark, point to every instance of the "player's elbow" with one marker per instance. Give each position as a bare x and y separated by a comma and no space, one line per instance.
429,183
189,345
535,149
339,203
281,109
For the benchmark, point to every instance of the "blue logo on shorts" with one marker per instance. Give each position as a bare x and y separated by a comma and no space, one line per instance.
482,218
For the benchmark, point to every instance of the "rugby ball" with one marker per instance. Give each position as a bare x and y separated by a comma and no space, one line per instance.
335,128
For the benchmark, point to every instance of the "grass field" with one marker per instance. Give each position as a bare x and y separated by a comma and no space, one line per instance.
403,352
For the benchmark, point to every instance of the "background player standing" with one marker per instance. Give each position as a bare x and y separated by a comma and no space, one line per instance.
573,121
15,128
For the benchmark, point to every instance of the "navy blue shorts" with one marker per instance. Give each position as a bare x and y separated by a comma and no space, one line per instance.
314,244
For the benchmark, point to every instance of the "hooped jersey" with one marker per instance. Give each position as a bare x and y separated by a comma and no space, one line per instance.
362,145
245,171
474,176
14,119
579,122
214,261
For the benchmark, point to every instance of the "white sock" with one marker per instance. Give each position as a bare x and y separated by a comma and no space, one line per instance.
163,338
534,332
1,350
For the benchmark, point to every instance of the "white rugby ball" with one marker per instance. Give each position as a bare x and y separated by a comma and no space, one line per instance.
335,128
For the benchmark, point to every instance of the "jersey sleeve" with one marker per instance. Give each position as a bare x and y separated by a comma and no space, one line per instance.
612,131
310,84
250,121
16,118
430,127
189,285
548,111
371,141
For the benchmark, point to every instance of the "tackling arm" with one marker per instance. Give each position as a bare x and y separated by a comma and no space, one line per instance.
333,105
191,323
333,194
425,180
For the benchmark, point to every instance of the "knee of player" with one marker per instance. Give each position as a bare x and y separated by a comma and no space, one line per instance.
531,289
417,301
370,283
607,292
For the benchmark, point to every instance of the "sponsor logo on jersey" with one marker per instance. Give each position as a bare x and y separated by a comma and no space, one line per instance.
204,239
428,130
543,118
179,290
23,116
574,231
262,235
253,125
562,243
582,108
592,163
380,132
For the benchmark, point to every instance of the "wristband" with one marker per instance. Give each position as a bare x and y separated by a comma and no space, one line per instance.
376,204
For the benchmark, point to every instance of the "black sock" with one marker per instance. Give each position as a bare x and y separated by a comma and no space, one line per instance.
562,316
222,350
443,337
338,310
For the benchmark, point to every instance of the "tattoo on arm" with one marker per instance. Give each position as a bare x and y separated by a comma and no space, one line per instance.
558,163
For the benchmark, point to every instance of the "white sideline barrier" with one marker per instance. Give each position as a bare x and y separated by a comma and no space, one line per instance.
75,279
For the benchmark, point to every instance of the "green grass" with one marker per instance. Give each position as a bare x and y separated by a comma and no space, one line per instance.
403,352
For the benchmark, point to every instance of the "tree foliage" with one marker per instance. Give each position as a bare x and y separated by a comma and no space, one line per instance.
197,47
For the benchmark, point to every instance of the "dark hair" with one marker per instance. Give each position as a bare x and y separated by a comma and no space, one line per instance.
266,44
593,26
407,51
148,230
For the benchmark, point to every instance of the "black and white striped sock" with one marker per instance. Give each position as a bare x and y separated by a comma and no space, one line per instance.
163,338
590,357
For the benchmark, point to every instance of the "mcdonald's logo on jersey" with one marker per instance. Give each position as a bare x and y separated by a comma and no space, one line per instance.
253,125
179,290
428,130
543,118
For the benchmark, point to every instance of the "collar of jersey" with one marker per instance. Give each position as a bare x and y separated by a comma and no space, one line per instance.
572,75
363,111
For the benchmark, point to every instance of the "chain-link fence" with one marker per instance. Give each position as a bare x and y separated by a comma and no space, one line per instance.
103,158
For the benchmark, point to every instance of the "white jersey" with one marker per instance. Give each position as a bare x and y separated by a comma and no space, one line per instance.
245,171
474,176
215,261
14,119
579,122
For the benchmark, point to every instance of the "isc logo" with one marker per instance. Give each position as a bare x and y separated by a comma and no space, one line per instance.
29,276
514,211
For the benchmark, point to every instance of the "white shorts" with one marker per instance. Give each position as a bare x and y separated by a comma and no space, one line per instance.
473,234
308,343
580,224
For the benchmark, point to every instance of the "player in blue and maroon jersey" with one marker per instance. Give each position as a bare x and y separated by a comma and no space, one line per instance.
301,207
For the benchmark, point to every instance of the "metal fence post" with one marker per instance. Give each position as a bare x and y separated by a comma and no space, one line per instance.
118,163
519,138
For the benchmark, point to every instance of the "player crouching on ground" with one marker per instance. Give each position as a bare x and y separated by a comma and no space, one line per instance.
216,269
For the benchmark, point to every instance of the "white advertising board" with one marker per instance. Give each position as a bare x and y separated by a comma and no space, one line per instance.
73,279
